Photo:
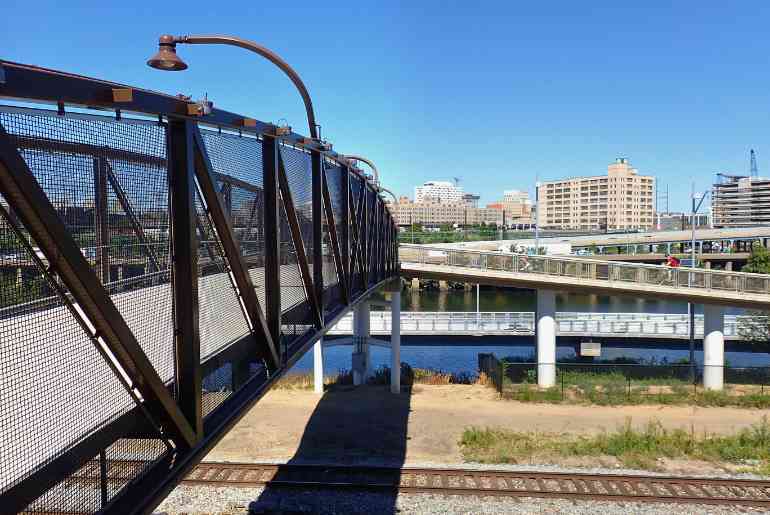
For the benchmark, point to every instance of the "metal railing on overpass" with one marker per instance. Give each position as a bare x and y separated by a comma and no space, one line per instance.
572,268
160,269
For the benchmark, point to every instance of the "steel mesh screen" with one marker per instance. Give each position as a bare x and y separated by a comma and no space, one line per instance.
221,318
55,387
237,160
334,185
81,163
356,240
299,175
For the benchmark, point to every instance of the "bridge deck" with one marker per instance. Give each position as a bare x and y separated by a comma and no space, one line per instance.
564,273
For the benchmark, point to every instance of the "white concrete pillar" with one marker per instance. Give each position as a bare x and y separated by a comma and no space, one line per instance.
713,347
395,342
361,360
546,338
318,367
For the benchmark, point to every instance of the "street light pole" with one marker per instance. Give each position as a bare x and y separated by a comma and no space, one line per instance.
167,60
537,217
690,305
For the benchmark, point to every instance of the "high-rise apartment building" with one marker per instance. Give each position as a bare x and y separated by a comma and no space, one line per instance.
622,199
438,191
739,201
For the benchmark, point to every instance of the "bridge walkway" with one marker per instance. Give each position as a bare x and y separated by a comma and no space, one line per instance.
565,273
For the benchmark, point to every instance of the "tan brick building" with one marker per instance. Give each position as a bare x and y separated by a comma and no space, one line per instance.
438,213
622,199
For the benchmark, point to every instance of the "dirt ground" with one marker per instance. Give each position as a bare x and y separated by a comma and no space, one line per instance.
368,423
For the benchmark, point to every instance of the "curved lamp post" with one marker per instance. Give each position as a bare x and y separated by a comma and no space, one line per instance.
376,174
368,162
166,59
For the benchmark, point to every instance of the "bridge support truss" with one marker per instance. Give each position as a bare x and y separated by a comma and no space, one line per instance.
174,267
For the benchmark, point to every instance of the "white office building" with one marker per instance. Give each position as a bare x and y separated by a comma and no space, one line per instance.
438,191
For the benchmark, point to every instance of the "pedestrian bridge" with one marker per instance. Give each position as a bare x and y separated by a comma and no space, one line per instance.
160,269
618,325
565,273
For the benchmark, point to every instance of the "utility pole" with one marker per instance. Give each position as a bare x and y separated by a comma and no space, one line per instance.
537,216
690,305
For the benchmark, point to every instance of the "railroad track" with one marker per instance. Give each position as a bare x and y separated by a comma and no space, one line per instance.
609,487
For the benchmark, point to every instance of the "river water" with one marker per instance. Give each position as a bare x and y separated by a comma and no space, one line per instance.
460,353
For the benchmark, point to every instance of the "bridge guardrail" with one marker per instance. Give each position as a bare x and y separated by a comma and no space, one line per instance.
592,269
643,325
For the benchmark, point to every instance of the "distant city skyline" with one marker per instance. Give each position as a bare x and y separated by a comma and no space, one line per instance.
436,90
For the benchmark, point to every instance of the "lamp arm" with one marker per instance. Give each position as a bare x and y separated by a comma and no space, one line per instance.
368,162
215,39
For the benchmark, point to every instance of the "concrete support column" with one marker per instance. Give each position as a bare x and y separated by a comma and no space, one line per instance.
395,342
729,266
668,248
360,365
546,338
713,347
707,264
415,283
318,367
443,285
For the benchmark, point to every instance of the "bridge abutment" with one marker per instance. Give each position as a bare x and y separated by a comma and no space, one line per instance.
713,347
546,338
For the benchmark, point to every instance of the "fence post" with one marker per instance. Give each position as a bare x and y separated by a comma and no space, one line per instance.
562,386
500,378
628,395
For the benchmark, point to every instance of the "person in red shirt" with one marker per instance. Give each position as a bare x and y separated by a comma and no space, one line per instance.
672,261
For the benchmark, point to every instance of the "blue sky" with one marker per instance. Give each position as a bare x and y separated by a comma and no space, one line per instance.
492,92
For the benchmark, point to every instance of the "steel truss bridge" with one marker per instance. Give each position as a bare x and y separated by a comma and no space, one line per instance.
170,267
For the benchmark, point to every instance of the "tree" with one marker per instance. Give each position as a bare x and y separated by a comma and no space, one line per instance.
758,262
757,328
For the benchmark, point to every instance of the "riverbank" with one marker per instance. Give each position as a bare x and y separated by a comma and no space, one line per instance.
370,425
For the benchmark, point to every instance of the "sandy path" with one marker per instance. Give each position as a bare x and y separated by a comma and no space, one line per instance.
369,423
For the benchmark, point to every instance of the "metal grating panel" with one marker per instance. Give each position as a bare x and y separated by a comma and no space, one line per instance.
355,188
67,155
335,187
240,158
56,389
221,318
299,175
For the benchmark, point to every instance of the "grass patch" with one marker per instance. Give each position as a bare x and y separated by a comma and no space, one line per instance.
614,388
634,448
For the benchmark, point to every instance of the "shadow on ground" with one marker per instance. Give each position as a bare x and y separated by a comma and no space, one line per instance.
344,429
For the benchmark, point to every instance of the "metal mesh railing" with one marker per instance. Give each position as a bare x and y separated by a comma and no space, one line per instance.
97,328
56,389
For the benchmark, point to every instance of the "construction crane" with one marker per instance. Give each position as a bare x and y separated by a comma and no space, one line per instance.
754,170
